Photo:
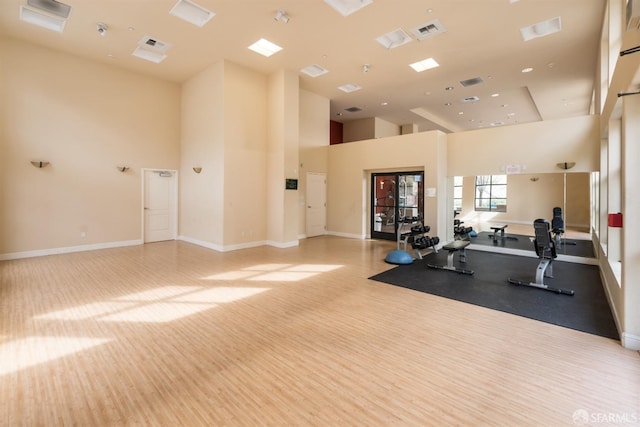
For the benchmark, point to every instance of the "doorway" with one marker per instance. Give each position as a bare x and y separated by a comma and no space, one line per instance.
395,196
316,195
160,205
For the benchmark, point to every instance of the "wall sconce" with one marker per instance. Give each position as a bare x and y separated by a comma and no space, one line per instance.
534,179
566,165
39,164
122,168
197,169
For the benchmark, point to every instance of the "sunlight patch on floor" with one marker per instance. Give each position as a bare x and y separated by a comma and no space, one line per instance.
31,351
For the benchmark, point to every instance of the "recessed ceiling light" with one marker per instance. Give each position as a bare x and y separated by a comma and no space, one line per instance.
425,64
314,70
191,12
495,95
541,29
460,113
384,103
448,104
42,20
527,70
265,47
394,39
448,88
347,7
350,87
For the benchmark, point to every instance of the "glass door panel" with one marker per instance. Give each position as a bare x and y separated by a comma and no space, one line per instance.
395,196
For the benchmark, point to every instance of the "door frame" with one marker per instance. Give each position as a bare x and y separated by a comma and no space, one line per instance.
372,190
307,190
174,207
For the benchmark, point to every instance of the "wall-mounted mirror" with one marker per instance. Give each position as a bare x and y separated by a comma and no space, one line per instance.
517,200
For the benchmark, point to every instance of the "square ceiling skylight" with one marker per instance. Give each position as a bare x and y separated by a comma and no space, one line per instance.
347,7
350,87
191,12
425,64
42,20
149,55
314,70
51,6
265,47
394,39
541,29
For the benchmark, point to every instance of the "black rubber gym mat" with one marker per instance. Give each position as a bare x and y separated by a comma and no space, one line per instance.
587,311
581,248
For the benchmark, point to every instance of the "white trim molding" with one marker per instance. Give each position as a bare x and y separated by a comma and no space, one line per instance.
68,249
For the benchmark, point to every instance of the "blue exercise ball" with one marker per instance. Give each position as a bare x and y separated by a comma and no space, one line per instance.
399,257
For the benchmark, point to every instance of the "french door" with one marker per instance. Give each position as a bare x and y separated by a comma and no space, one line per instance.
395,196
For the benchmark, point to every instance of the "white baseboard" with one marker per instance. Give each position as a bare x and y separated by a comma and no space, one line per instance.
228,248
348,235
630,341
68,249
220,248
282,245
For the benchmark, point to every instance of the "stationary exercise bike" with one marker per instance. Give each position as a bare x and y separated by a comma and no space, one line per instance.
557,228
546,250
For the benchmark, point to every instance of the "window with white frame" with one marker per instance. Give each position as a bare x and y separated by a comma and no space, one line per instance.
491,193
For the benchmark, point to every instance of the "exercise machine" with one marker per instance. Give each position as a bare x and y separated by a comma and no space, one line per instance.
557,228
546,250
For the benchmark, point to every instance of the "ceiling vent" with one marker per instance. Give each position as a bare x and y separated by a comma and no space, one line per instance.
394,39
430,29
153,44
151,49
471,82
470,99
353,109
314,70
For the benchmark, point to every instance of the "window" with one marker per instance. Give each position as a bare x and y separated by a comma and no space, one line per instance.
457,193
491,193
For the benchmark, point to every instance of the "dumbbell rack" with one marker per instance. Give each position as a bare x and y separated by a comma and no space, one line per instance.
417,237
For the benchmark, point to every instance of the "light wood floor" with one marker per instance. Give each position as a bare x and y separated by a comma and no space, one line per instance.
172,334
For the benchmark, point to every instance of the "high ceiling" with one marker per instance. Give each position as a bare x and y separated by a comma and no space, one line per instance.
477,39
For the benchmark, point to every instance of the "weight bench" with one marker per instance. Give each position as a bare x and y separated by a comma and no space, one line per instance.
452,248
500,228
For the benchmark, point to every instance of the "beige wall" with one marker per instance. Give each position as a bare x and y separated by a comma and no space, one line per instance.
350,166
85,118
535,147
282,158
313,148
245,150
369,128
224,130
202,144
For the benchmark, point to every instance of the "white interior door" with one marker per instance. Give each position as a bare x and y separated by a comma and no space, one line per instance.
160,208
316,204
